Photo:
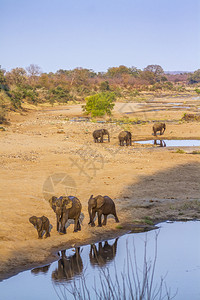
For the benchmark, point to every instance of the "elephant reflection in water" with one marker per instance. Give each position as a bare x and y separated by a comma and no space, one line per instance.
160,143
68,266
104,254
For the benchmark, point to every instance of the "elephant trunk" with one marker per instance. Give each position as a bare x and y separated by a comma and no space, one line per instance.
108,137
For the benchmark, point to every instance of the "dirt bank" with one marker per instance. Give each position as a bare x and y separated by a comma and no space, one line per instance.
147,183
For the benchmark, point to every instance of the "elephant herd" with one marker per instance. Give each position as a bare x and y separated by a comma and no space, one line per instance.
69,208
125,136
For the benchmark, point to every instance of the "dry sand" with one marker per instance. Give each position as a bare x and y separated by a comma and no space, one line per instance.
146,182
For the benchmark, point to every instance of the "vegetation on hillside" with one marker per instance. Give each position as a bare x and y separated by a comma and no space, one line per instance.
32,86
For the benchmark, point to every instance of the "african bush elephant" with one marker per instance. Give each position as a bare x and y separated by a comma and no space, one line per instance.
159,127
99,134
41,224
68,266
125,136
66,207
102,205
104,254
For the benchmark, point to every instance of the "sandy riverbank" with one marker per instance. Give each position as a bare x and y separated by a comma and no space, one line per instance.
146,182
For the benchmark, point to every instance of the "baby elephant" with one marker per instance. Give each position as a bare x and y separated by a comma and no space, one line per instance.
125,136
159,127
41,224
102,205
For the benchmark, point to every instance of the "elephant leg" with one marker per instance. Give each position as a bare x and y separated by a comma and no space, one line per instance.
105,220
64,220
39,230
92,218
58,222
47,234
116,218
115,215
78,225
76,220
39,234
99,219
101,140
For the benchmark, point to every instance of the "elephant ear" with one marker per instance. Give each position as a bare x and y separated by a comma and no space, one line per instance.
67,203
100,201
52,201
33,220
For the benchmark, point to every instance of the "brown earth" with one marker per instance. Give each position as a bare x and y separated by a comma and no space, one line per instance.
148,183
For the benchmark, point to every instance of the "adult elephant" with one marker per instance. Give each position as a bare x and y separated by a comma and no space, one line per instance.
159,127
125,136
102,205
68,266
66,207
103,254
99,134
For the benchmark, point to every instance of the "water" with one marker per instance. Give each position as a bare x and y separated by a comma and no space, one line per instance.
177,260
172,143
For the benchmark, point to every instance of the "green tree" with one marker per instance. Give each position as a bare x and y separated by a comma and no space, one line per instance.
118,71
99,104
156,71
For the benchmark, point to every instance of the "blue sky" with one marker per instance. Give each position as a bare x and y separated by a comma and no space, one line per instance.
98,34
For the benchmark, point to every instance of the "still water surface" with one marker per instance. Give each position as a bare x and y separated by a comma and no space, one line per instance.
177,260
172,143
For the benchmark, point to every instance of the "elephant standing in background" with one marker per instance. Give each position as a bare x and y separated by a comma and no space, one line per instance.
41,224
98,134
102,205
104,254
159,127
66,207
125,136
68,266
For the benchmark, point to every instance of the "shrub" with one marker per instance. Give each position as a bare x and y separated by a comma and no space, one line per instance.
197,91
4,103
59,94
99,104
104,86
180,151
